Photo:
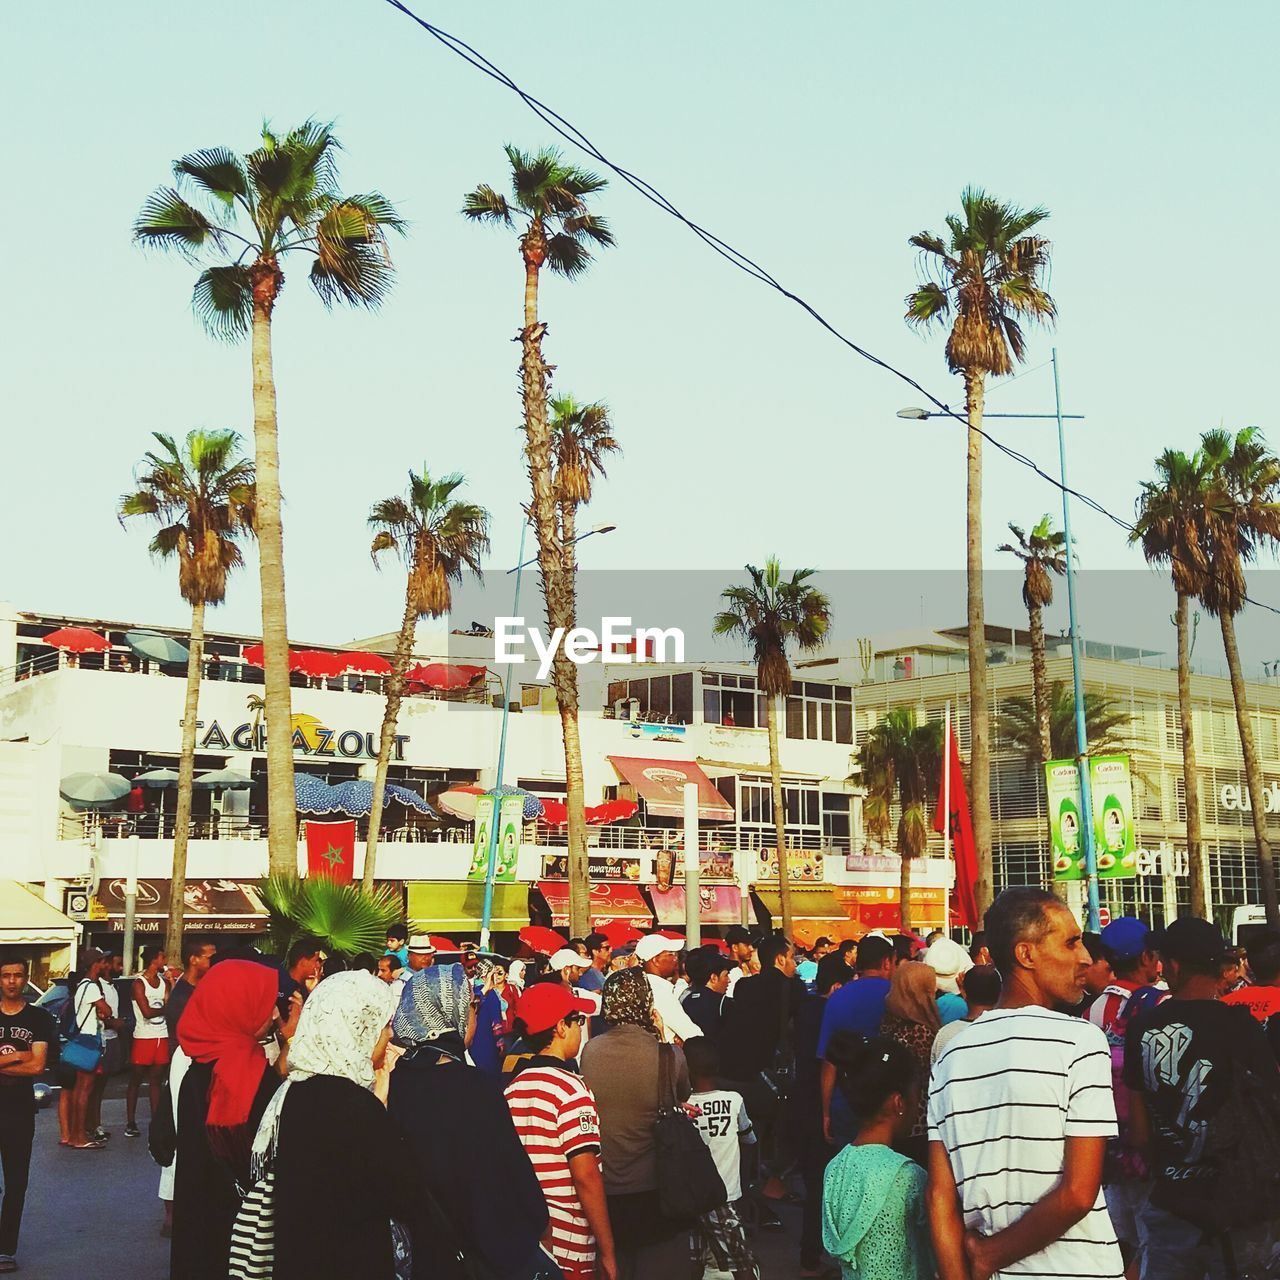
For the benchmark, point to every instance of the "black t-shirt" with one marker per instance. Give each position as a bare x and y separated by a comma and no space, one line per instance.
177,1002
18,1032
1182,1056
705,1008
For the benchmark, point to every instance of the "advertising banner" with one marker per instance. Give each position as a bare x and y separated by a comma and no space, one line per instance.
510,817
484,821
1111,793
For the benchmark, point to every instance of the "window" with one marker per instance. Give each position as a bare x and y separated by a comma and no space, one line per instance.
731,700
819,712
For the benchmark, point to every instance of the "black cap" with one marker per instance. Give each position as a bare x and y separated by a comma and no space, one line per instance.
737,934
1190,939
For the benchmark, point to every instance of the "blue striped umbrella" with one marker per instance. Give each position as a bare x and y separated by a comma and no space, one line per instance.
354,798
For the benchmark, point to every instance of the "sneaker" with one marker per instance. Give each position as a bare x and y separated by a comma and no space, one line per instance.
131,1131
8,1262
99,1134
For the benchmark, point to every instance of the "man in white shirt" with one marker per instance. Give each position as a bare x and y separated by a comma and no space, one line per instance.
657,955
1020,1110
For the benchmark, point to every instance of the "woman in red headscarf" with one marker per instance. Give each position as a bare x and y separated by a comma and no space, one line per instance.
222,1098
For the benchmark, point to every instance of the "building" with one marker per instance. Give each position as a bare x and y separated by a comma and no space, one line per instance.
643,735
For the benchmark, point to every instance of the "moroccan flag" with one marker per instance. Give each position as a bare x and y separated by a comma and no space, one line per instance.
331,849
962,847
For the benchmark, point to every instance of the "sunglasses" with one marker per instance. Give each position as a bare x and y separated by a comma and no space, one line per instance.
575,1019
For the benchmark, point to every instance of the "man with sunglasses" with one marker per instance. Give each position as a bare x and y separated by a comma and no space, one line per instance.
557,1123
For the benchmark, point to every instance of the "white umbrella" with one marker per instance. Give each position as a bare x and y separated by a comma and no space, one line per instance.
159,779
224,780
89,789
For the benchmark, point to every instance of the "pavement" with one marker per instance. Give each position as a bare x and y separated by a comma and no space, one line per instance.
97,1213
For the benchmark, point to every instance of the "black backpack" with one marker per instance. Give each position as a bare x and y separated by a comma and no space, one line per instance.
689,1184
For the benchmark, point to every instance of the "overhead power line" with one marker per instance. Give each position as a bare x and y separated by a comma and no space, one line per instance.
570,132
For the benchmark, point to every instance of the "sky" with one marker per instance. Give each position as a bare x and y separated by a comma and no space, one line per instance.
816,136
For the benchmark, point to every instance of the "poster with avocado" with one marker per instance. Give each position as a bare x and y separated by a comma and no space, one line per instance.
1111,792
484,821
510,818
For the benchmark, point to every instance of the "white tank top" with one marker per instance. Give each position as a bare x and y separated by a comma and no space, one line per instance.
152,1028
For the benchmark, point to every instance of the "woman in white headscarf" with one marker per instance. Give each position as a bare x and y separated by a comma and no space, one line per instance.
337,1161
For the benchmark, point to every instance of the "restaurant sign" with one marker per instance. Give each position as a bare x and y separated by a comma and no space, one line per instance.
555,866
310,738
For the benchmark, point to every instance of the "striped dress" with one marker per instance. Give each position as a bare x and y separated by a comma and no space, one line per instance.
555,1118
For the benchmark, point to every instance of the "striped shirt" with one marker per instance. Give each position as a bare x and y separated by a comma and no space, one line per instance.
555,1118
1005,1095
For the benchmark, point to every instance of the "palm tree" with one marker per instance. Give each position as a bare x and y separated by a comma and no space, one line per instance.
988,270
437,539
202,497
1170,527
556,229
771,614
1042,552
899,755
1242,513
239,217
1104,717
581,438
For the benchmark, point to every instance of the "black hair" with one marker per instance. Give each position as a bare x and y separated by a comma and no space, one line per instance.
845,947
334,964
902,946
397,930
832,972
873,952
982,986
365,962
391,959
595,941
1266,964
150,953
932,937
303,949
702,1055
823,941
770,949
579,945
1097,949
10,956
1123,966
868,1071
1017,915
976,943
192,947
535,1041
703,963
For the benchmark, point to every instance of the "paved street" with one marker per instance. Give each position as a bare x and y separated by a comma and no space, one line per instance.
98,1210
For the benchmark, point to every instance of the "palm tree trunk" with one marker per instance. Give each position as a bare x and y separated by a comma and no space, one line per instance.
282,828
186,785
575,800
979,727
568,529
386,740
904,887
1039,681
1252,769
779,815
1195,849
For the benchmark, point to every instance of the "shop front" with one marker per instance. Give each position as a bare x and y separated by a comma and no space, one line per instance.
45,936
209,907
456,906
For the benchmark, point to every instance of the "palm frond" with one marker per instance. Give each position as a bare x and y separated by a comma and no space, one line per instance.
567,256
223,301
484,204
215,170
347,919
168,221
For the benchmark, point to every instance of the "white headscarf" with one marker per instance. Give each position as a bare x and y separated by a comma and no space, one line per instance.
337,1033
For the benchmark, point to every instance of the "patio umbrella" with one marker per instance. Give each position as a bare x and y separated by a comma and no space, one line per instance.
441,675
313,662
355,798
460,802
158,779
555,813
252,654
441,943
600,815
313,795
224,780
147,644
90,789
369,664
77,640
545,942
620,933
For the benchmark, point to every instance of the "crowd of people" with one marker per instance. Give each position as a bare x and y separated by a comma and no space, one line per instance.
1041,1103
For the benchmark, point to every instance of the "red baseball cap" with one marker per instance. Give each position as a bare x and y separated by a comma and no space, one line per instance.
545,1003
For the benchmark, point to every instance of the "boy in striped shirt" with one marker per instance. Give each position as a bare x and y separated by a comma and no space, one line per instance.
556,1121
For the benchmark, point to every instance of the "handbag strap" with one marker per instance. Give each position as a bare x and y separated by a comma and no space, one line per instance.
90,1007
666,1078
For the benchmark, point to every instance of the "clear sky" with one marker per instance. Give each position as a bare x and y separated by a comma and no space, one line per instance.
816,136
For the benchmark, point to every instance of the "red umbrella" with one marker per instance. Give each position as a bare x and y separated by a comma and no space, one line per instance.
77,640
312,662
544,941
252,654
599,815
369,664
441,675
673,934
620,933
442,943
554,812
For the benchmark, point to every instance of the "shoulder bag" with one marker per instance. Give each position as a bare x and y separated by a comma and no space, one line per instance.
689,1184
84,1052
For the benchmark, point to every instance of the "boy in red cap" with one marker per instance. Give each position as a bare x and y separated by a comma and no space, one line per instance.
556,1120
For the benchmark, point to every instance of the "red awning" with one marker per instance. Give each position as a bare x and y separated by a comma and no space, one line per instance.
610,900
660,784
719,904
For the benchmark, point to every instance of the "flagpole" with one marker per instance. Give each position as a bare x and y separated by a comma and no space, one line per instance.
946,825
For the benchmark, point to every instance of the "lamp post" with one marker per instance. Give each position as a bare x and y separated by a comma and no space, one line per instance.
1077,653
486,915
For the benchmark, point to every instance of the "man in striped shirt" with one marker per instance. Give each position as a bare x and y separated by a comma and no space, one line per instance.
556,1120
1020,1110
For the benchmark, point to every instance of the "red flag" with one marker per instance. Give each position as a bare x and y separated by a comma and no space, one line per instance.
962,847
331,849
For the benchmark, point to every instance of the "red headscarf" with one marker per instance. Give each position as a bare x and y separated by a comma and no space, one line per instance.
220,1025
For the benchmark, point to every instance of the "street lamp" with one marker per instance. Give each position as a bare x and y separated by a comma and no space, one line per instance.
486,914
1077,657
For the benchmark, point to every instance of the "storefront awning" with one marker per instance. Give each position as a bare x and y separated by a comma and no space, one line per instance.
456,906
209,906
27,920
610,900
718,904
815,913
660,784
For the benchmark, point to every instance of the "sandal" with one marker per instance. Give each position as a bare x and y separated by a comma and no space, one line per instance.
91,1145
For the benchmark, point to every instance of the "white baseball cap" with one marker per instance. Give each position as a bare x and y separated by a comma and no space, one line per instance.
654,944
565,957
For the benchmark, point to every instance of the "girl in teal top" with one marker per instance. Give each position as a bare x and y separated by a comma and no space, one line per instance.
873,1212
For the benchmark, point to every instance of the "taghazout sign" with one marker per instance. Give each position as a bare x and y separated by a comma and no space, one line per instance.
1114,839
